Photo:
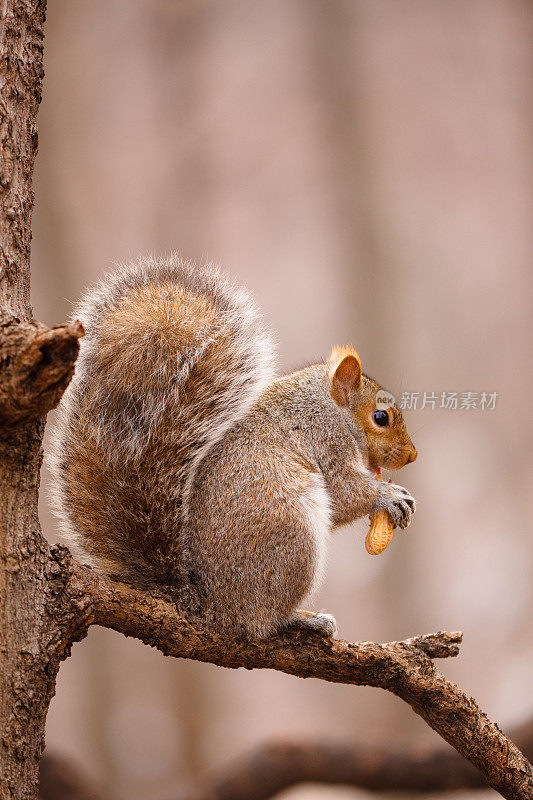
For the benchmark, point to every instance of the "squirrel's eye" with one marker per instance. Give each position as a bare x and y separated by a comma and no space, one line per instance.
381,418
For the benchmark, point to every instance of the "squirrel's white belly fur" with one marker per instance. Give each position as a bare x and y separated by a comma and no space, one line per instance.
315,503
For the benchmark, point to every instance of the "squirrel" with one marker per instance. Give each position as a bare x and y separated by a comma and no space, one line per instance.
180,463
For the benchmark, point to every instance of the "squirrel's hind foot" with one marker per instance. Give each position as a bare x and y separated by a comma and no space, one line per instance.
323,624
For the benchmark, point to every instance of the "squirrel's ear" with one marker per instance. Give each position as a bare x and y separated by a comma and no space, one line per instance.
344,374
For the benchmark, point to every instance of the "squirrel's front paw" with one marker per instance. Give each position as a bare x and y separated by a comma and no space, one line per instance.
397,502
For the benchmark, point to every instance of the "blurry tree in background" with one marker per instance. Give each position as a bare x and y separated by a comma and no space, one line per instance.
365,168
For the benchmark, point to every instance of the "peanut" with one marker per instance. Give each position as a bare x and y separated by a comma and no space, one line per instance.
381,530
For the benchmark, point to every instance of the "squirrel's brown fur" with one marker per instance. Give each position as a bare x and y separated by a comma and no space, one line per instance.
179,461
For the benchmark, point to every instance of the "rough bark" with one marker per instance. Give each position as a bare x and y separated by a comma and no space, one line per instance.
21,75
36,365
26,678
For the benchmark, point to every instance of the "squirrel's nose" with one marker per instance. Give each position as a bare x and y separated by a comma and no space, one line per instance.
412,456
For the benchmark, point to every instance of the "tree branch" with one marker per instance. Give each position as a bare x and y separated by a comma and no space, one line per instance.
36,365
403,668
277,765
59,779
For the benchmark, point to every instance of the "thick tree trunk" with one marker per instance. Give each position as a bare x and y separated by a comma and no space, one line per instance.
26,680
21,76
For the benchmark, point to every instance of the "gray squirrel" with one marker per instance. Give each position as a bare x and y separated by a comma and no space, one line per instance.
181,463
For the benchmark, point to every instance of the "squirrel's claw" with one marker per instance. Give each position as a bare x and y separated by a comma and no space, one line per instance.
399,504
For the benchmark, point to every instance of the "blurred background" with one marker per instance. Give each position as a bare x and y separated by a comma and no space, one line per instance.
365,168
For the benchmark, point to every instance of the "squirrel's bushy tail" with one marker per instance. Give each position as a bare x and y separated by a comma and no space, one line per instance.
173,356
